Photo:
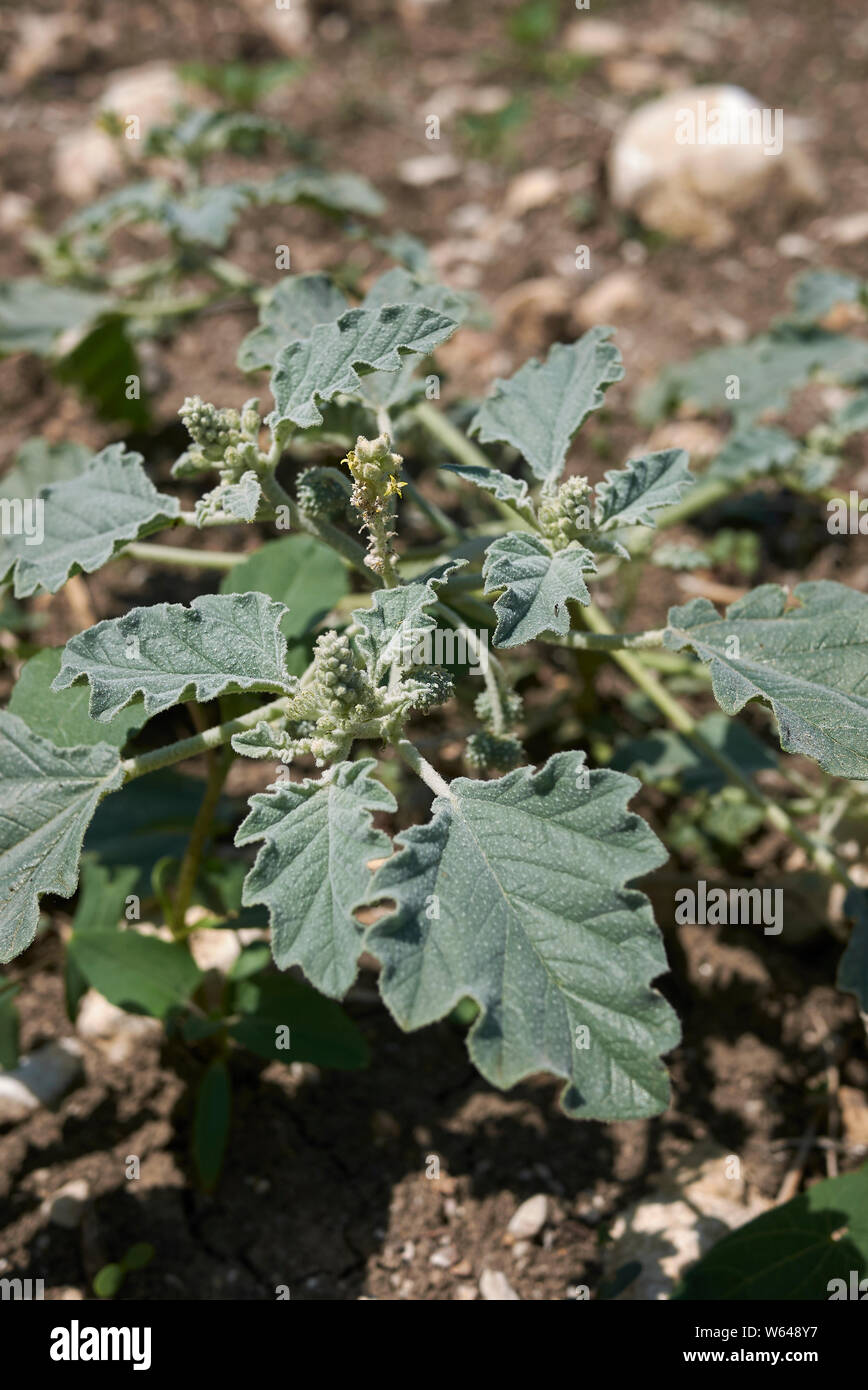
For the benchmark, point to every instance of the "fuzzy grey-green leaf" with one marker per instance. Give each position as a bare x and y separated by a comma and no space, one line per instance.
398,619
629,496
540,408
325,364
809,664
312,869
49,797
84,521
221,644
514,895
536,584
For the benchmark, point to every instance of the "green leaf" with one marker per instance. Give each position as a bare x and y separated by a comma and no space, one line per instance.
135,202
9,1026
318,1029
333,193
311,872
808,664
536,584
325,364
794,1251
49,796
769,369
399,286
102,895
852,418
100,365
504,487
222,643
753,452
39,462
299,572
815,292
34,316
541,407
397,620
207,215
665,754
61,715
86,520
514,896
211,1121
290,314
853,966
108,1281
629,496
141,974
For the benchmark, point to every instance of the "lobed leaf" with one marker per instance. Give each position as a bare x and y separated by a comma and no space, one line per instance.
325,364
221,644
296,305
536,585
397,619
541,407
808,664
514,895
629,496
62,715
49,797
85,521
311,871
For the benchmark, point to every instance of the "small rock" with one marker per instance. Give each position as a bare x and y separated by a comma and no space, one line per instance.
66,1206
596,38
15,211
685,163
44,43
699,438
615,297
423,170
529,311
632,75
522,1248
847,231
795,247
528,1220
88,158
854,1114
465,1293
117,1033
288,26
43,1077
532,189
463,1269
692,1207
496,1288
445,1257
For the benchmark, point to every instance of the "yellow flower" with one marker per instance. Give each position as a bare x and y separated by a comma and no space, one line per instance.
394,487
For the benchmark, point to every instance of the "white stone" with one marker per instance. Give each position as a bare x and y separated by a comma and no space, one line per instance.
596,38
528,1220
66,1206
617,295
666,168
496,1288
425,169
42,1077
532,189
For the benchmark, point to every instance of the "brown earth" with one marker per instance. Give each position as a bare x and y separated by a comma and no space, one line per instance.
325,1186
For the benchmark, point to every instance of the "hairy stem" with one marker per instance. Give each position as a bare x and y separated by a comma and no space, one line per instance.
187,559
441,428
422,768
214,737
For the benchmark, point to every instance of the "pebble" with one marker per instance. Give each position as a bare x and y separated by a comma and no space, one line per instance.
532,189
528,1220
66,1206
496,1288
423,170
596,38
42,1077
616,296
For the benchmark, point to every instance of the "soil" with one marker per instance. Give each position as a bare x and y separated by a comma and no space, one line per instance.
327,1187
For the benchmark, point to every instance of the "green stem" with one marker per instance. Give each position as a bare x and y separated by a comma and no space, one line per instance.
441,428
613,641
219,764
438,518
163,308
492,672
187,559
682,720
422,768
202,743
